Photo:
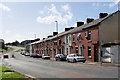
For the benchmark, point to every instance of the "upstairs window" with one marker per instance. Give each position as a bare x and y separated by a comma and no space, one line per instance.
79,36
66,38
69,39
89,34
55,42
85,34
59,41
73,37
51,42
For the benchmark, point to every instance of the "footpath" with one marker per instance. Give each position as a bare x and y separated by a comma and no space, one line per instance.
97,63
102,64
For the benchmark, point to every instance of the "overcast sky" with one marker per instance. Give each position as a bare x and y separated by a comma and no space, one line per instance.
22,20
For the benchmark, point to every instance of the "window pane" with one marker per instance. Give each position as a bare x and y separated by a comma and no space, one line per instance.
85,34
73,37
89,35
79,36
76,48
89,51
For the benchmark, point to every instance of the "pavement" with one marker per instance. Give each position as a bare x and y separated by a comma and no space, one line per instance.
97,63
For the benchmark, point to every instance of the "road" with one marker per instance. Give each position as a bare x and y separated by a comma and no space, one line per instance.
39,68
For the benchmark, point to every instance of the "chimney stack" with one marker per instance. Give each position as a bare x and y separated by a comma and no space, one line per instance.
55,33
67,29
80,24
71,27
49,36
102,15
89,20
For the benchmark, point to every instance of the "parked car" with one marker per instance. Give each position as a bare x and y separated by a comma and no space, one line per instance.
27,54
36,55
45,56
60,57
75,58
5,56
23,52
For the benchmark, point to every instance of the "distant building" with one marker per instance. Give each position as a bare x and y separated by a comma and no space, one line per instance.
2,45
29,41
25,42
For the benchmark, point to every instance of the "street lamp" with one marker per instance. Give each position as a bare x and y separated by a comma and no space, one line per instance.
57,34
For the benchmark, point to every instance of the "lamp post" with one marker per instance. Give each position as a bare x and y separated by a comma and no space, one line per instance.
57,34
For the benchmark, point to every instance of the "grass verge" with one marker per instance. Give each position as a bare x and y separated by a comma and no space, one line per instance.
4,73
9,49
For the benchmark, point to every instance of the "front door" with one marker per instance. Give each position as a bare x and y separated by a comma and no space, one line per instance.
95,54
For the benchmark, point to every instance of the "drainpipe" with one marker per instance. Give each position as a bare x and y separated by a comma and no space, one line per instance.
99,47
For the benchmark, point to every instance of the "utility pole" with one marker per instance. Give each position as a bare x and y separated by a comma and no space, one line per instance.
100,52
35,36
57,34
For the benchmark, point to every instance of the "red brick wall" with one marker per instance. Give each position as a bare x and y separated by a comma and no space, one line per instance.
85,42
94,39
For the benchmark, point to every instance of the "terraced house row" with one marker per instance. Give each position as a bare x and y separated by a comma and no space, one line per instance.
89,40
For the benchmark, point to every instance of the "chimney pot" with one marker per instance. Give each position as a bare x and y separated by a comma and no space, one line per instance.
71,27
89,20
80,24
67,29
49,36
55,33
102,15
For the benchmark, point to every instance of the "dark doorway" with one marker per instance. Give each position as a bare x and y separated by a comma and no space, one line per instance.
95,54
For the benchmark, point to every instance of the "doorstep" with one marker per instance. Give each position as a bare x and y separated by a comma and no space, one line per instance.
90,62
111,64
52,59
102,64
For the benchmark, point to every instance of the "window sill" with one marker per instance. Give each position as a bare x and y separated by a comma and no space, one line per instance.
89,57
89,41
79,41
73,42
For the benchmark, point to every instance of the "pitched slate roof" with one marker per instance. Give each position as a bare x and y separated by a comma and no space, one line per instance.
76,29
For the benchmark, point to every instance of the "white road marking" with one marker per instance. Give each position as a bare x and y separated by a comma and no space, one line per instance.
29,76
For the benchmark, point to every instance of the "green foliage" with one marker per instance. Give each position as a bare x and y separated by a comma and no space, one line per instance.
3,50
8,49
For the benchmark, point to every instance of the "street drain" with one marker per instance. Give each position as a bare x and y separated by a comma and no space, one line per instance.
8,71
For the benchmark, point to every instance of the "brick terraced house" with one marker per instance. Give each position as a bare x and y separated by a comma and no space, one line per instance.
82,40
